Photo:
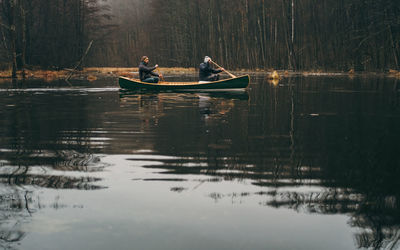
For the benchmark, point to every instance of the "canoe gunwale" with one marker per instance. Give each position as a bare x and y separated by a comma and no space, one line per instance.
240,82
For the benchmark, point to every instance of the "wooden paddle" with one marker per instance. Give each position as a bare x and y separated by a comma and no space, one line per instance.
159,73
230,74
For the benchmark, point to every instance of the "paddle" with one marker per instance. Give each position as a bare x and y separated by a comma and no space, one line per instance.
230,74
160,75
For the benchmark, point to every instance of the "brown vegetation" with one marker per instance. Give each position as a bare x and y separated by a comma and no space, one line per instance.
91,74
94,73
394,73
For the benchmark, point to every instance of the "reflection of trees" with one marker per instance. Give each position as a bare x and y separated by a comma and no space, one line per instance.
342,137
13,209
50,181
17,206
351,150
41,137
355,145
43,133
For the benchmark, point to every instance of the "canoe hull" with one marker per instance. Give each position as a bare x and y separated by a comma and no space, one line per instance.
240,82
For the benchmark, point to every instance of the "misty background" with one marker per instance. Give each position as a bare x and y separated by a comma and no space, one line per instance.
363,35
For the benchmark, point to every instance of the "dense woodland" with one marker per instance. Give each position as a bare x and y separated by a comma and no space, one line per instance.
249,34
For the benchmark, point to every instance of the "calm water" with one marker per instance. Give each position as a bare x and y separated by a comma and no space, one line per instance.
308,163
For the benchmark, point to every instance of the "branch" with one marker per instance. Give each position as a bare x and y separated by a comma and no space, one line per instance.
80,61
6,26
370,36
4,39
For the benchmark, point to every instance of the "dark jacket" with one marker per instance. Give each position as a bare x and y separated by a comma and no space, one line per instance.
205,71
146,72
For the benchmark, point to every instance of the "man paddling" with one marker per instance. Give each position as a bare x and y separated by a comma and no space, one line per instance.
146,73
207,73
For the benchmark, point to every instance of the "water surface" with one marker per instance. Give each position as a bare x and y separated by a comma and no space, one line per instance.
306,163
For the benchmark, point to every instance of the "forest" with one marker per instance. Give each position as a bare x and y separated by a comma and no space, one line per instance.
330,35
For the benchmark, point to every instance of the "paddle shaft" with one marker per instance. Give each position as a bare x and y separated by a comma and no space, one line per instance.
161,77
230,74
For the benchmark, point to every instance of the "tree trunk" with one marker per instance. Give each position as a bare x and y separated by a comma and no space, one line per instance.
396,59
13,37
23,53
292,56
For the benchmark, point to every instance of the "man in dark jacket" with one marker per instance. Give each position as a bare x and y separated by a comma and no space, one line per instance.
207,73
146,74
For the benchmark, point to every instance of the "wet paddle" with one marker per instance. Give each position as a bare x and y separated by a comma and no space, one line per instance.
230,74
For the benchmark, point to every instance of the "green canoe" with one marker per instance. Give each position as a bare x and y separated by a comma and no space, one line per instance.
239,82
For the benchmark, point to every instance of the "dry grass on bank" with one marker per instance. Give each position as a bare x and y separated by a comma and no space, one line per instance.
37,74
5,74
93,73
394,73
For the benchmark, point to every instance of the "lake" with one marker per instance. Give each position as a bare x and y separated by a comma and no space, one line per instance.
303,163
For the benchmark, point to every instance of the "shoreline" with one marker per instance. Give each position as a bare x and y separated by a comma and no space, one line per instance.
94,73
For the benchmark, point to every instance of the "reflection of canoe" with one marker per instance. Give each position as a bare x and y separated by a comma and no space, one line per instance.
236,94
239,82
220,94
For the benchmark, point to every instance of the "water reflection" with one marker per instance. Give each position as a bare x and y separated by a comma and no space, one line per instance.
13,211
323,146
346,142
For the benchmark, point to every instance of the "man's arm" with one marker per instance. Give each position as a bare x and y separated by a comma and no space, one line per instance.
216,71
154,74
147,69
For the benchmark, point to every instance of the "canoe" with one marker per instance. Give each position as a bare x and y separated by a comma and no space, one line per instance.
240,82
